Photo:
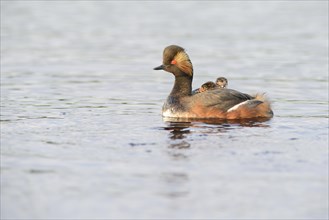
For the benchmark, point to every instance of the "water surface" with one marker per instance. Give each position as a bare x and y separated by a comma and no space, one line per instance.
81,129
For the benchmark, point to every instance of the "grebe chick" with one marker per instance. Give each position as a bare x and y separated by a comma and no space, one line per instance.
221,82
205,86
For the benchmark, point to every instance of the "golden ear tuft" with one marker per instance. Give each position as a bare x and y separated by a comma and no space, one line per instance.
181,56
183,62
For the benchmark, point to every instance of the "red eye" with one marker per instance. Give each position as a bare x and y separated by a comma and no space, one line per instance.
173,62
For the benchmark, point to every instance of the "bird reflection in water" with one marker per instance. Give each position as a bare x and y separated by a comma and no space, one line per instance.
181,135
181,128
175,184
178,132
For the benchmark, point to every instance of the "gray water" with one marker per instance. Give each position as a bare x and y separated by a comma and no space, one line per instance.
82,135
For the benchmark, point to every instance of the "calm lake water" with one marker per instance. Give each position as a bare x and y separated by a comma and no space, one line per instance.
82,135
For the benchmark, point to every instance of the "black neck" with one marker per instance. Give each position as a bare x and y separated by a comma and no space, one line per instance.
182,86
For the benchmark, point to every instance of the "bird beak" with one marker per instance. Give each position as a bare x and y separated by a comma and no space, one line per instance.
159,67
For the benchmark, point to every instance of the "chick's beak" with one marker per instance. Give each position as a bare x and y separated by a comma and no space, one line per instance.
159,67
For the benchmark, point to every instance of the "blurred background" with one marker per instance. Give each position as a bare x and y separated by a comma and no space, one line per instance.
81,128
